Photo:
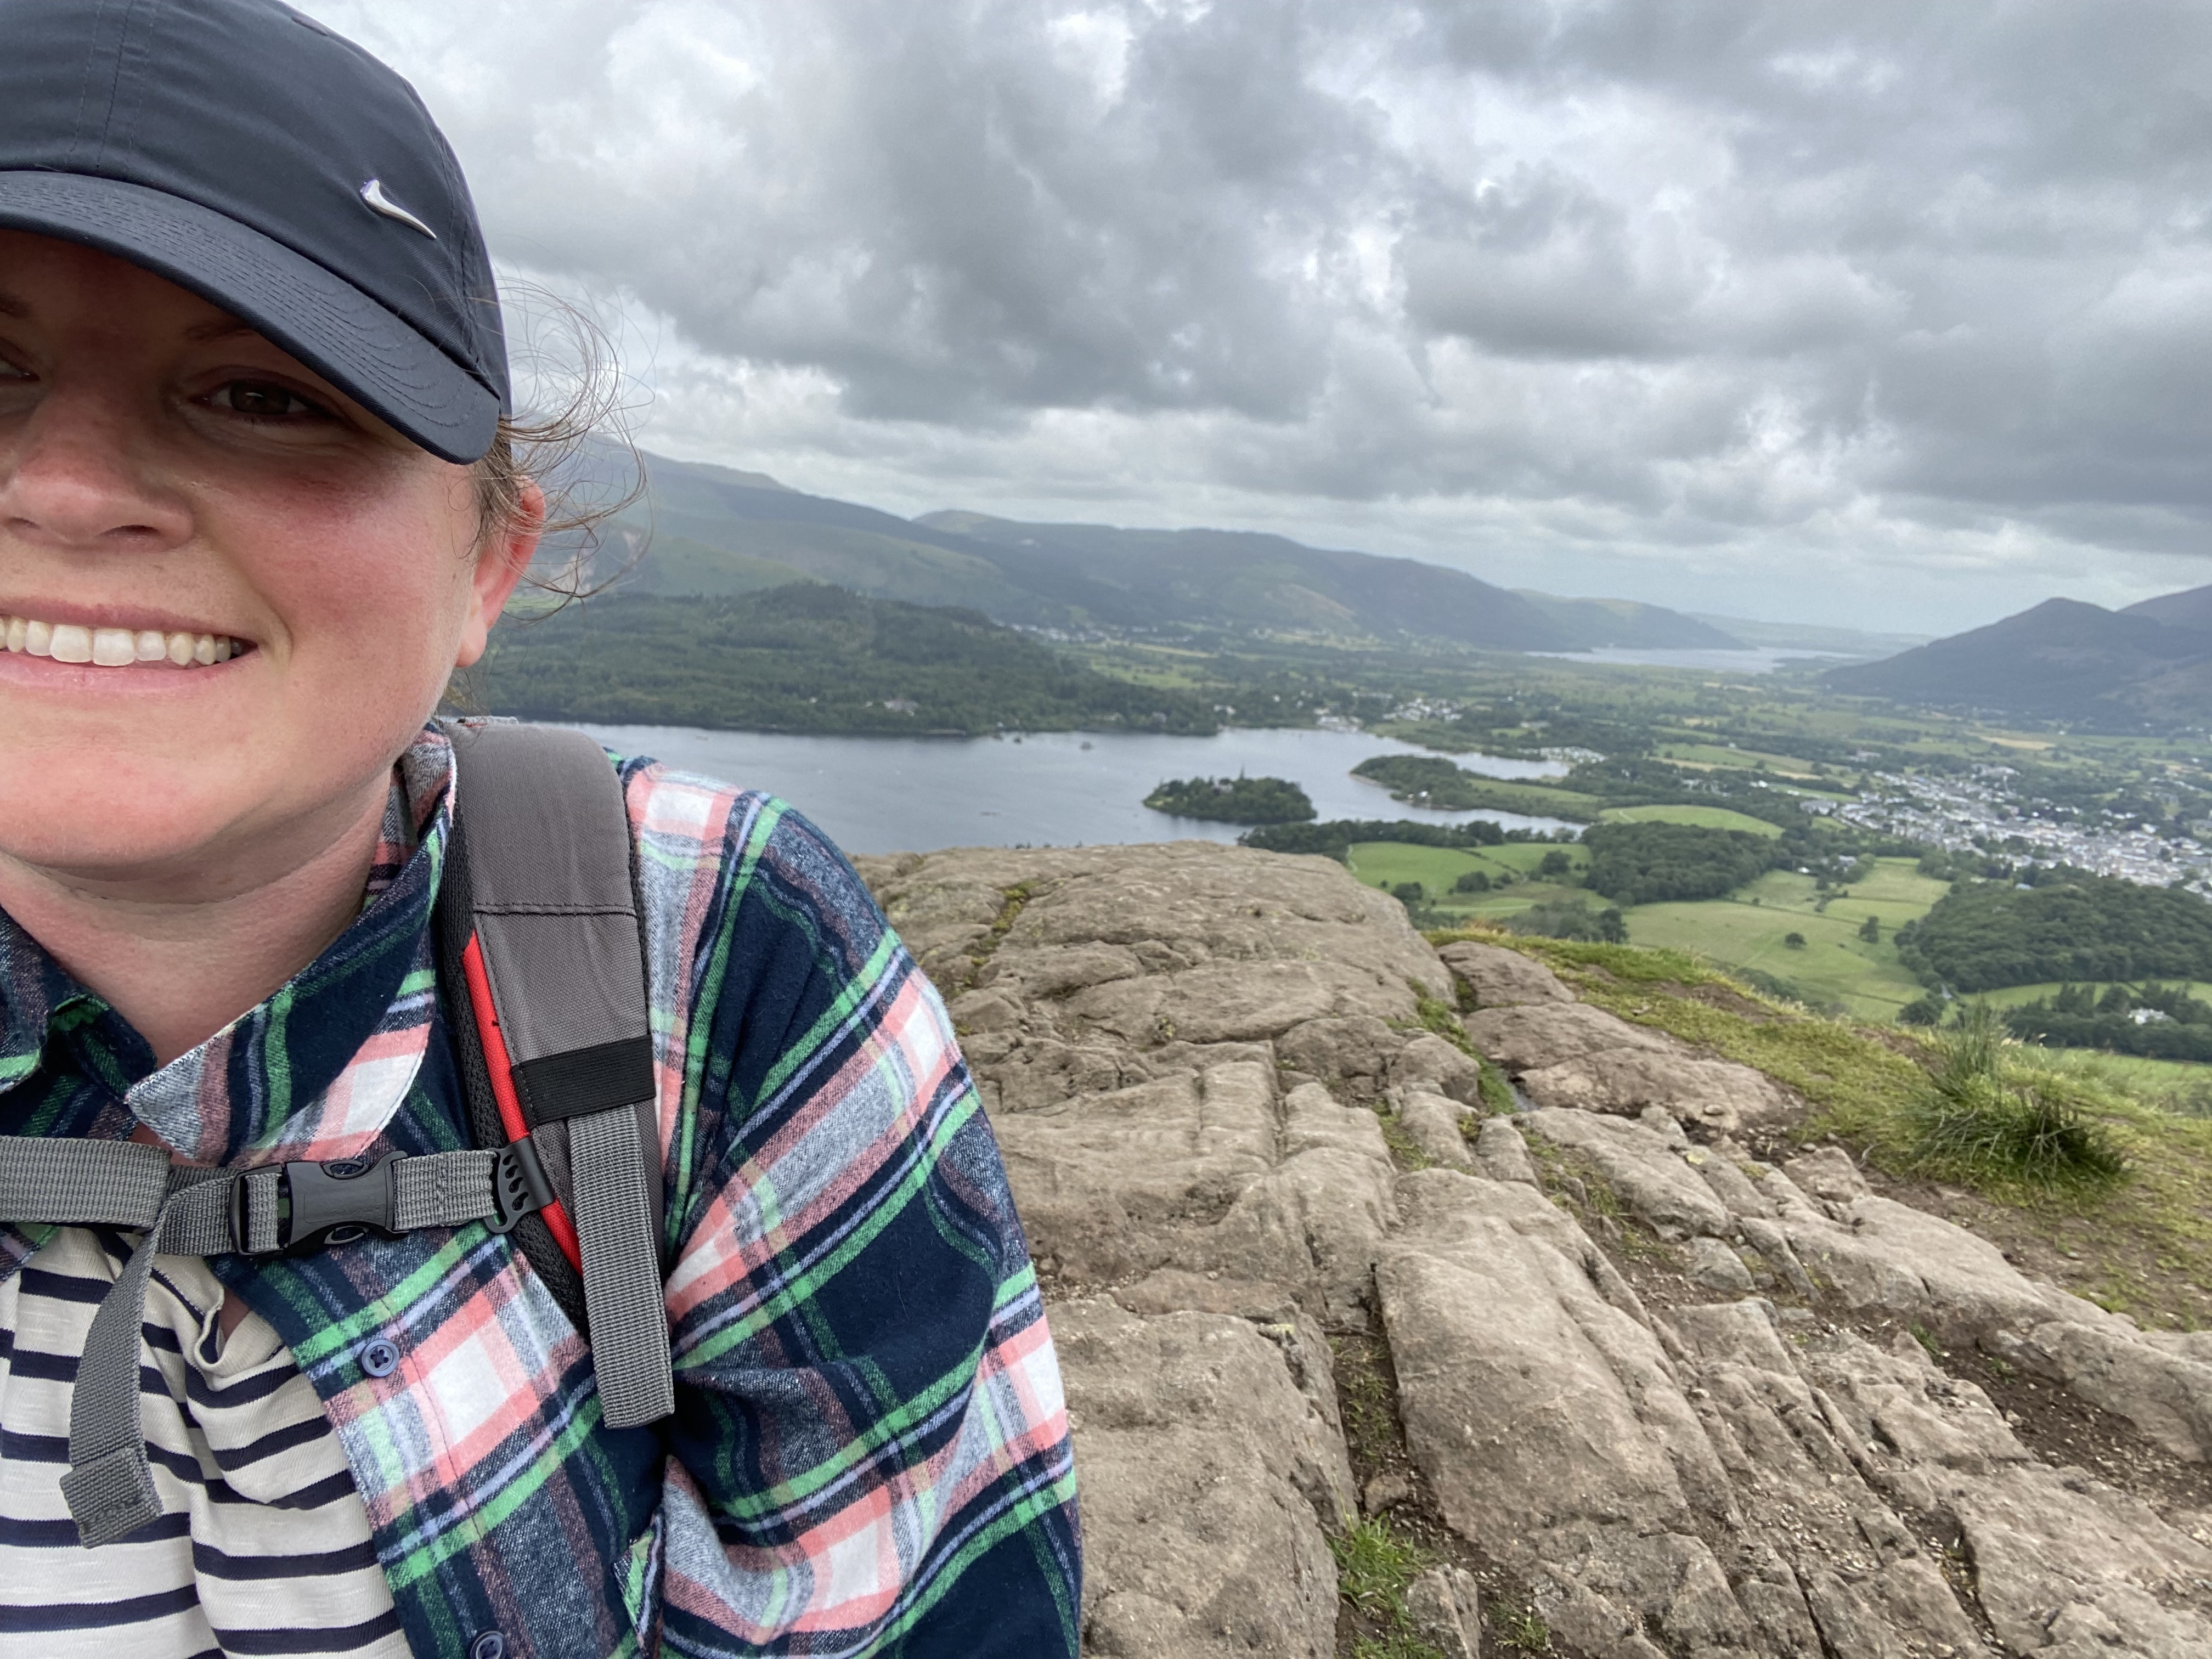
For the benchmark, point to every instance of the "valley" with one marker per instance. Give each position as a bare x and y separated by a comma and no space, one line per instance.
1855,798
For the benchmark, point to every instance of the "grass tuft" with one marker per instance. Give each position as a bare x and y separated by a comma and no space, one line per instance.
1990,1116
1519,1628
1374,1565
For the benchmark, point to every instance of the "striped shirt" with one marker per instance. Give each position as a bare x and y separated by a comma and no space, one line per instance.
870,1452
263,1546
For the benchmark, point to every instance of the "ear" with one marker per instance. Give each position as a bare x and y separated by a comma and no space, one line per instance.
501,558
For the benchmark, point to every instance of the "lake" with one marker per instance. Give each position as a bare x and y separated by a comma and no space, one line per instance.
1040,789
1750,659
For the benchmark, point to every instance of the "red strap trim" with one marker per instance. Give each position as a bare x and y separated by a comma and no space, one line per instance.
501,1067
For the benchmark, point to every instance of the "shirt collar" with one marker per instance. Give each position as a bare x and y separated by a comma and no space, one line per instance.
315,1072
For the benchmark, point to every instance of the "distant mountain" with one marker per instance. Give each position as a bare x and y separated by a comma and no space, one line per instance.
2192,609
714,530
1245,579
2063,660
1629,622
1814,637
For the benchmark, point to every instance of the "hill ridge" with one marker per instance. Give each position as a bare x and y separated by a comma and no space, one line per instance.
709,530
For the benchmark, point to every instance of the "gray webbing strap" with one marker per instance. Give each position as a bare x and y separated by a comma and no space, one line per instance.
624,1299
547,842
192,1212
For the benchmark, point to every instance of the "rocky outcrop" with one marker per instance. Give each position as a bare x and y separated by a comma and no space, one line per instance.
1660,1396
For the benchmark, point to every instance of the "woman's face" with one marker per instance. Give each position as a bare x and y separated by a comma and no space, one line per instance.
167,474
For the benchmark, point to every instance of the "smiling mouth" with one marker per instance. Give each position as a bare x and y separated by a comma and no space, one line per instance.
119,647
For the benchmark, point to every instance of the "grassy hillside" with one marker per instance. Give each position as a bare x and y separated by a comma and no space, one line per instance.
805,658
2142,1246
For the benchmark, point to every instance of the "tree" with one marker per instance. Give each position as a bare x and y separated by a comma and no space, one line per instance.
1794,941
1571,919
1645,863
1408,892
1926,1012
1870,930
1472,881
1555,866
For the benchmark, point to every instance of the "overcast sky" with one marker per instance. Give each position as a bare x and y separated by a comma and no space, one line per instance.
1891,312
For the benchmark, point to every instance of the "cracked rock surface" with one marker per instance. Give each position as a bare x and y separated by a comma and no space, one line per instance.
1665,1397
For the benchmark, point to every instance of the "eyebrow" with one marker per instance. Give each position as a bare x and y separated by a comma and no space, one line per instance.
216,328
220,328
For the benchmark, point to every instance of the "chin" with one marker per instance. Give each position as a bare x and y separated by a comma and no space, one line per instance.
74,824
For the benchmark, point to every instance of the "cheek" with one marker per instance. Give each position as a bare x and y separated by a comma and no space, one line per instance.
372,583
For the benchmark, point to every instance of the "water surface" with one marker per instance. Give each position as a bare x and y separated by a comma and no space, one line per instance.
1749,659
1041,789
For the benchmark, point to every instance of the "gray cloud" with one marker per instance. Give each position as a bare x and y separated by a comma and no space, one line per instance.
1812,308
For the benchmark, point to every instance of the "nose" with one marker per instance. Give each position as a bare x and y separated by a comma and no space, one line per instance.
74,479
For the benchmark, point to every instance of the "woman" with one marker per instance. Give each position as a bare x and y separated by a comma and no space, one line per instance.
258,498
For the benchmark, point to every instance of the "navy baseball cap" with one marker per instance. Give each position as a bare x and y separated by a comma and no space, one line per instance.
248,153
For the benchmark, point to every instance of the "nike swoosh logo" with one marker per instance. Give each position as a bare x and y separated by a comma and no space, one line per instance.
373,193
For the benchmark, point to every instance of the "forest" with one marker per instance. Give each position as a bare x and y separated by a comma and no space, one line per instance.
1648,863
1983,936
807,657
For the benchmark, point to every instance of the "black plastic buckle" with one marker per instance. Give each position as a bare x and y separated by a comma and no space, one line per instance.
338,1202
518,1184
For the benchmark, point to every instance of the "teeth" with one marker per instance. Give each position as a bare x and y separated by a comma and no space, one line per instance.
114,647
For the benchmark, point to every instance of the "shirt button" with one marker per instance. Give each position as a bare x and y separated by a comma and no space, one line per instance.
489,1645
380,1357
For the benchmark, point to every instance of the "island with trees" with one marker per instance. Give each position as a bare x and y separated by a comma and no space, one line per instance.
1233,800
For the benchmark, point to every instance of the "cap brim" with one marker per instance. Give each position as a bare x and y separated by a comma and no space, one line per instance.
329,324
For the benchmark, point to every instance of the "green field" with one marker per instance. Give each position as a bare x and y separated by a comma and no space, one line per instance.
1713,754
1386,863
2155,1078
1746,930
1707,817
2012,996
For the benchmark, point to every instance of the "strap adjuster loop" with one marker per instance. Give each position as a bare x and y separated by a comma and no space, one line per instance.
520,1185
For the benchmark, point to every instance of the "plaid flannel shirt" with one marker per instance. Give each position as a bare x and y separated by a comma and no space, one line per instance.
870,1451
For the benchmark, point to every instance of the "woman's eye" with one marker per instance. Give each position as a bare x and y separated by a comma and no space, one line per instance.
265,400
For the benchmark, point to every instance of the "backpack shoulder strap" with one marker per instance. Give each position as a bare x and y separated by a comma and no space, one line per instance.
539,925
